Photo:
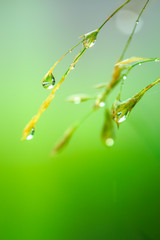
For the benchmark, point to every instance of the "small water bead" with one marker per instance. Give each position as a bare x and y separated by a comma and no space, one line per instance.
88,44
90,39
48,81
92,44
72,66
137,22
102,104
124,77
109,142
31,134
122,119
140,64
157,60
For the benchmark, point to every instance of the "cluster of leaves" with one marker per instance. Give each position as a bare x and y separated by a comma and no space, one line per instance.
120,109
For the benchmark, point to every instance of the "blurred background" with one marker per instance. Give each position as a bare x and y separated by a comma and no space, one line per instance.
88,191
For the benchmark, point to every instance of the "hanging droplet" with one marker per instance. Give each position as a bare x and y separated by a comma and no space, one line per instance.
137,22
31,134
72,66
121,110
124,77
48,81
109,142
90,39
121,117
140,64
77,100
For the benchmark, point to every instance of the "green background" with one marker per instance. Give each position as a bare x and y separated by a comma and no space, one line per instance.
88,191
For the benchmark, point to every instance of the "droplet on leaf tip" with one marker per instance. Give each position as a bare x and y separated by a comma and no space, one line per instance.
48,81
124,77
31,134
109,142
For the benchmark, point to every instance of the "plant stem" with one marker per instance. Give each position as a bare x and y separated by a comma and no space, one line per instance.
113,15
115,81
47,102
70,50
134,65
133,31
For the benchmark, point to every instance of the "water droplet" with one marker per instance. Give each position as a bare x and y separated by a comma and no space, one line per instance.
90,39
109,142
140,64
48,81
31,134
72,66
77,100
157,60
124,77
137,21
88,44
125,20
121,117
102,104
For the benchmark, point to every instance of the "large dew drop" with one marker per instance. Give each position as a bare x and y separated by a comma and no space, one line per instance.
90,39
48,81
31,134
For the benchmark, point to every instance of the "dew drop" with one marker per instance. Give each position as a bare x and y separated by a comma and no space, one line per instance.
88,44
102,104
140,64
157,60
125,21
92,44
31,134
72,67
122,117
124,77
48,81
109,142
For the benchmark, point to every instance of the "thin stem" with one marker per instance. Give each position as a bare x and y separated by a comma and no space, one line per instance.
116,81
149,86
113,15
133,31
134,65
68,135
70,50
49,99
